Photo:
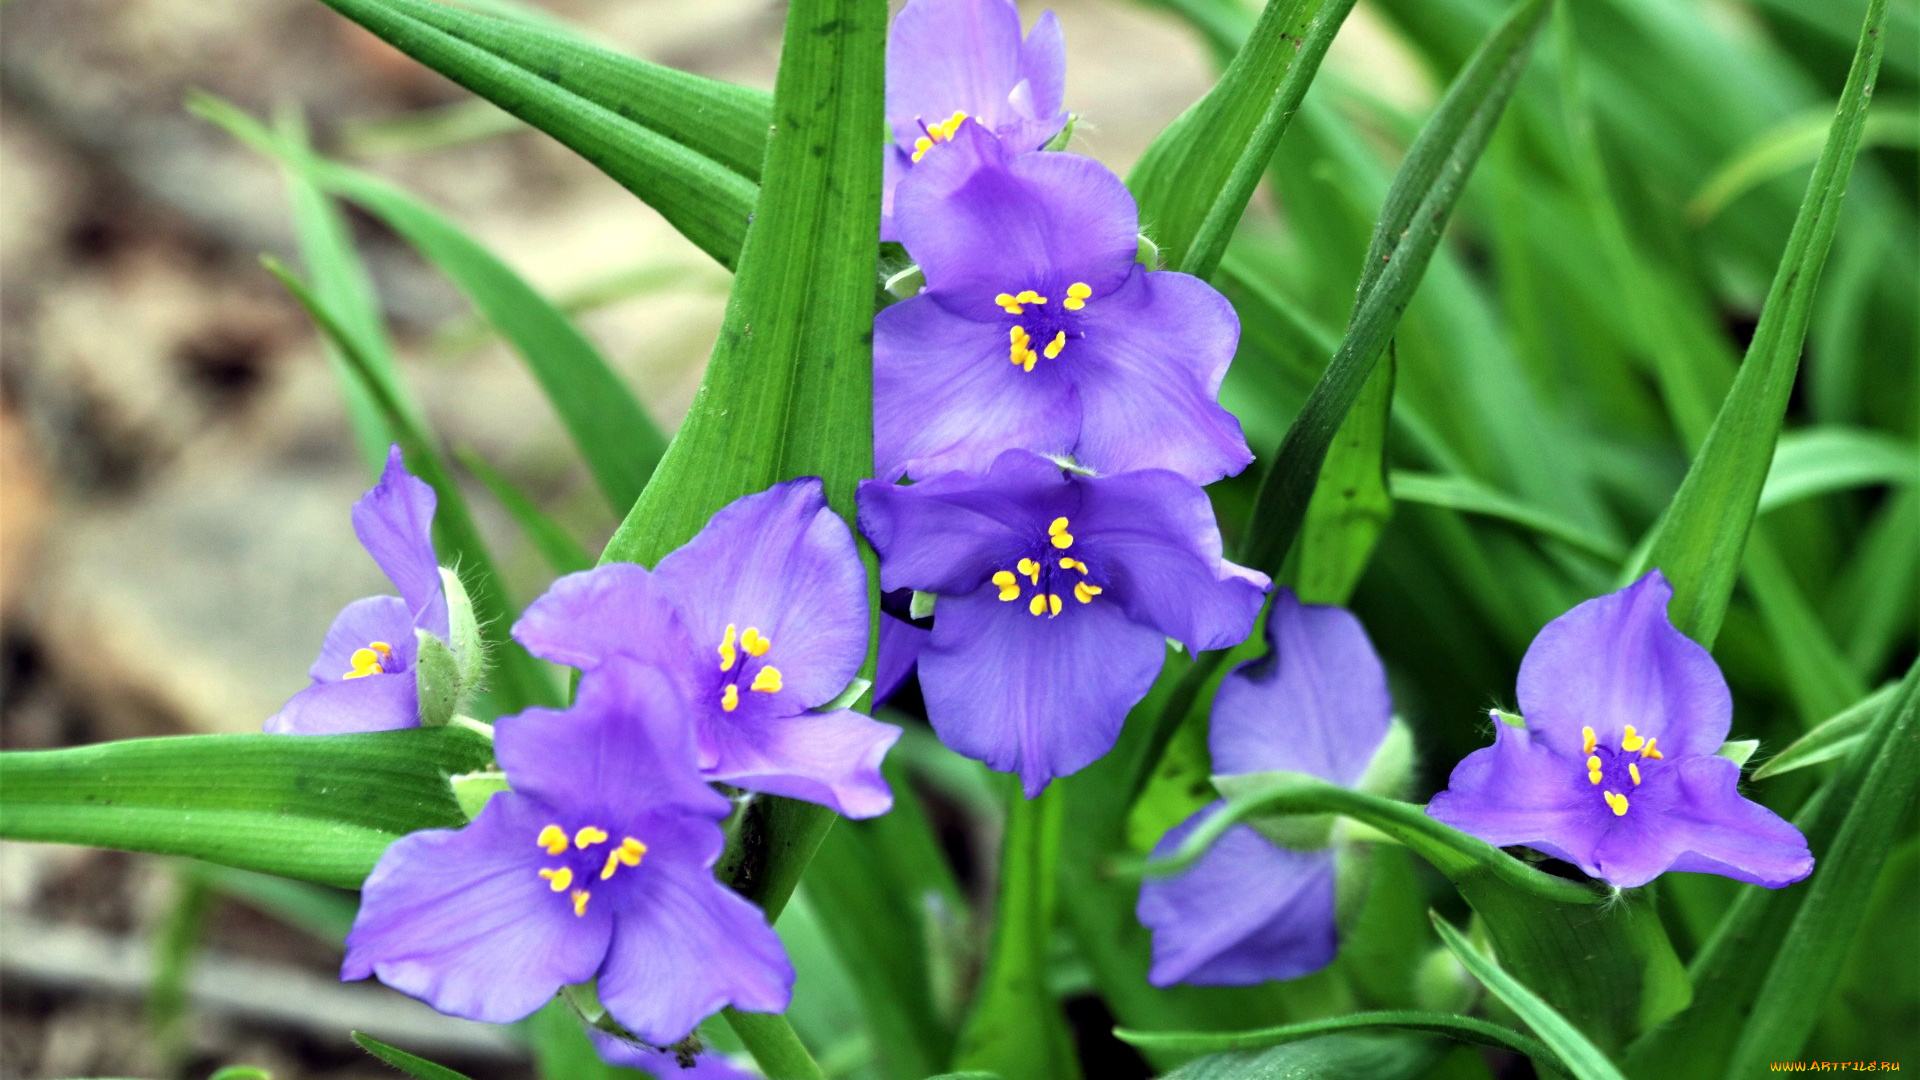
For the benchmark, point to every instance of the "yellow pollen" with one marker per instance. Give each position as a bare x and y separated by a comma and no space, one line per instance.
1633,770
1588,740
553,838
1077,294
1053,604
1059,342
1037,605
558,880
1617,802
767,680
1028,296
1009,587
727,655
755,643
367,661
1018,352
1073,564
580,897
1593,763
1084,592
1029,568
941,132
1010,305
1631,741
1062,539
730,697
1649,752
627,854
588,837
920,147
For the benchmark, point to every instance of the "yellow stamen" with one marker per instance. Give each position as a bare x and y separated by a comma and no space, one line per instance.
553,838
1073,564
1588,740
1649,752
628,854
1633,770
367,661
1053,604
1009,587
1029,568
580,897
767,680
1062,539
1084,592
559,879
1009,305
1617,802
755,643
1077,294
588,837
1028,296
1059,342
920,147
727,655
730,697
1631,741
1037,605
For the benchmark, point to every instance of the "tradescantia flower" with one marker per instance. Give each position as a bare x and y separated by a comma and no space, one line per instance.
1250,910
1038,330
598,863
762,618
950,61
364,679
1057,594
1616,770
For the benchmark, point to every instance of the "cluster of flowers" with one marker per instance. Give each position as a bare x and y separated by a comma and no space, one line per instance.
1054,404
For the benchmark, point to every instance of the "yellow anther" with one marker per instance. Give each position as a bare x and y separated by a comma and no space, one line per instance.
920,147
1018,334
627,854
559,879
589,836
1588,740
755,643
1077,294
1029,568
1617,802
1631,741
580,897
1593,762
1059,342
1032,359
1010,305
1063,540
767,680
1053,604
1073,564
727,655
367,661
1028,296
730,697
1649,752
1037,605
1009,585
1633,770
1084,592
553,838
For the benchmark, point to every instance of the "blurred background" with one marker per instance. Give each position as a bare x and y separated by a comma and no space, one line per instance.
176,466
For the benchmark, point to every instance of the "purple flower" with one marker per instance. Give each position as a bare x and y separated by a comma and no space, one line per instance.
598,863
950,61
1616,769
1038,329
663,1065
762,618
1057,594
1250,910
364,678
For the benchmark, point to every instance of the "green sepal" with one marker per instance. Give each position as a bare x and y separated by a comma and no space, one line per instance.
921,606
847,697
437,675
1297,832
1512,719
1147,253
1739,751
1060,141
1387,775
906,284
469,650
472,790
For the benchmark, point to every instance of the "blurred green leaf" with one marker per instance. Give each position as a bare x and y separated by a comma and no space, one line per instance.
320,808
1459,1028
563,554
1794,144
417,1067
1470,496
1331,1057
1351,505
1821,460
1577,1053
176,945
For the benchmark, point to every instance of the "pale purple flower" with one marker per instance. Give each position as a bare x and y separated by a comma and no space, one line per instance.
663,1065
364,678
951,61
1250,910
1057,592
1038,329
1616,770
763,618
596,865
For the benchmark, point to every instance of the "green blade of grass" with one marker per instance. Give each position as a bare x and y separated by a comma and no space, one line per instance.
1833,738
1470,496
412,1064
1459,1028
1577,1053
563,553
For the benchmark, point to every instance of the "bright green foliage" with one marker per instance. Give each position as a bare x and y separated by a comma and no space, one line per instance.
1461,1028
413,1065
1579,1056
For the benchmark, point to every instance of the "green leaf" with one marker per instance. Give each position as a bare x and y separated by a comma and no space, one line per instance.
1834,737
1577,1053
689,147
1409,230
1350,505
1017,1029
1343,1056
1700,538
320,808
1470,496
417,1067
562,552
1459,1028
1819,461
1796,142
1194,182
773,1044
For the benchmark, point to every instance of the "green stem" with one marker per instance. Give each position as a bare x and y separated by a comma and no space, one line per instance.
774,1046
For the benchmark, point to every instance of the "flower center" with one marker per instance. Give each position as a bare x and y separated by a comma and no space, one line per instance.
561,879
1039,326
1612,770
1040,574
370,660
754,644
944,131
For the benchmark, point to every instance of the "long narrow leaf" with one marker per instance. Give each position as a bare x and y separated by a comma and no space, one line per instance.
1583,1059
1459,1028
1833,738
563,553
412,1064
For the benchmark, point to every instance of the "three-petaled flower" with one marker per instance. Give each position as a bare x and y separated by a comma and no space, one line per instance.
598,863
1250,910
363,679
1057,592
762,618
1616,770
1038,330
